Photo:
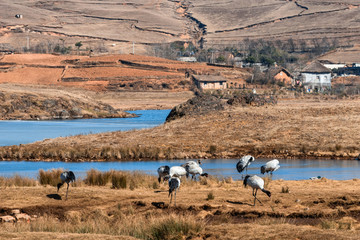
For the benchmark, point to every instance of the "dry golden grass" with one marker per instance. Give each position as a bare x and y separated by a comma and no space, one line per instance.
295,128
312,209
17,181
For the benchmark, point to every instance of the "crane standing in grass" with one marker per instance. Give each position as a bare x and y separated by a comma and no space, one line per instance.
66,177
174,185
244,163
163,173
195,170
270,166
256,183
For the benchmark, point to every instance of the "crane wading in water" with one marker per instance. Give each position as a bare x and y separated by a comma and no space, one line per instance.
66,177
270,166
256,183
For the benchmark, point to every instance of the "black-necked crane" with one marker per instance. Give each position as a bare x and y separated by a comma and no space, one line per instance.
256,183
270,166
66,177
244,163
195,170
197,163
163,173
174,185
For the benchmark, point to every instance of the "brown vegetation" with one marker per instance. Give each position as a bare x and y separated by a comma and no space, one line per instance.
27,105
318,127
209,209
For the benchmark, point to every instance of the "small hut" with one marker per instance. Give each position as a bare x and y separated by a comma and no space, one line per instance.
209,81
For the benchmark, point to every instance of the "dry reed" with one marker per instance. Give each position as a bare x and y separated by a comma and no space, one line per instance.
17,181
119,222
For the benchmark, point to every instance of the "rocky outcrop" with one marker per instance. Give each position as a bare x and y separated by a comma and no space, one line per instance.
16,216
201,104
204,103
252,99
26,106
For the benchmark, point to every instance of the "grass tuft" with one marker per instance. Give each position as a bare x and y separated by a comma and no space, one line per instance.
285,189
210,196
50,177
17,181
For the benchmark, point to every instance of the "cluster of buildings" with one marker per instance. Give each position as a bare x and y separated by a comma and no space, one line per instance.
314,77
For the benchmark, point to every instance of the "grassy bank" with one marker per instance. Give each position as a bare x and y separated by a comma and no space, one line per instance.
294,128
209,209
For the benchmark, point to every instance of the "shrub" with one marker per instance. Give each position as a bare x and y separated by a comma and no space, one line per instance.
97,178
17,181
50,177
212,149
174,228
119,180
210,196
285,189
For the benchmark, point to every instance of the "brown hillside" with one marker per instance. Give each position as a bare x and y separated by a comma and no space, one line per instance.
114,26
104,73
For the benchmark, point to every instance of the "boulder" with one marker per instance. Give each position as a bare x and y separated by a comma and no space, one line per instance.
199,105
7,218
22,217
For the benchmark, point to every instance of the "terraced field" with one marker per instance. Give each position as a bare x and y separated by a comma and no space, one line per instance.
136,26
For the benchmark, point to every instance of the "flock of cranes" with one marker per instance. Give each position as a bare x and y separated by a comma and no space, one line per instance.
174,174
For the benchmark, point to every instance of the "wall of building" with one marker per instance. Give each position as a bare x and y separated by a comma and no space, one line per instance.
316,80
212,85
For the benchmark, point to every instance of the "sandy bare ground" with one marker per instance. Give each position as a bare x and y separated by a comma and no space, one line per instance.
310,209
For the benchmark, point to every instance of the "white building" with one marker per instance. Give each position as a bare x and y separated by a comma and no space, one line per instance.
334,65
315,77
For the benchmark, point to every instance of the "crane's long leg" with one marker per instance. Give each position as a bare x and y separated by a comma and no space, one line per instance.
171,197
254,194
67,190
256,197
175,198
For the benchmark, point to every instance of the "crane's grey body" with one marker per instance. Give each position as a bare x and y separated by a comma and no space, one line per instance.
256,183
66,177
190,163
177,171
174,185
163,173
244,163
270,166
194,170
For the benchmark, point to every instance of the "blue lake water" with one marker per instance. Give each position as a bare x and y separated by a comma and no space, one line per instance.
289,170
22,132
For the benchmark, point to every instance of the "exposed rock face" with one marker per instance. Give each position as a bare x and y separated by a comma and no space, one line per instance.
252,99
203,104
25,106
198,105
